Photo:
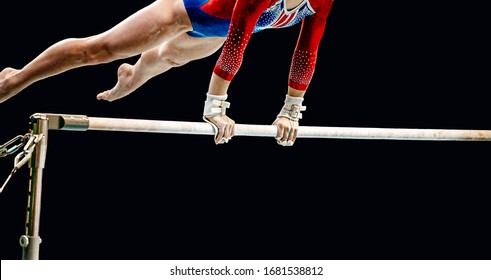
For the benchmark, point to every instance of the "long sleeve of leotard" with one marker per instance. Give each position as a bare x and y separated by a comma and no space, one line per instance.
244,19
305,55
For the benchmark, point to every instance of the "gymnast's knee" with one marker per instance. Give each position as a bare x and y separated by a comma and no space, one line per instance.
174,62
171,57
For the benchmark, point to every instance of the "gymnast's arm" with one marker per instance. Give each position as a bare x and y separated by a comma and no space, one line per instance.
244,18
301,72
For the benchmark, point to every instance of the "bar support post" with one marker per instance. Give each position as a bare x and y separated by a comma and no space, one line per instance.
31,240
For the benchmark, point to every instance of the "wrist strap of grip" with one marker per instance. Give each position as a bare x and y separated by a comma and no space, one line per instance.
215,105
292,108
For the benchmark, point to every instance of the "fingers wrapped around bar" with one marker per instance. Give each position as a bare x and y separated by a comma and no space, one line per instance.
287,121
215,114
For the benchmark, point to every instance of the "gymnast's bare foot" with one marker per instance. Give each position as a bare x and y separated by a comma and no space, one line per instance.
8,88
126,84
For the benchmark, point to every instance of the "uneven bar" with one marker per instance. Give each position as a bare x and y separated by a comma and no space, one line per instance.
83,123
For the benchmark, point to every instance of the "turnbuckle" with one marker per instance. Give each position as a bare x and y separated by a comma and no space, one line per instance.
23,156
11,147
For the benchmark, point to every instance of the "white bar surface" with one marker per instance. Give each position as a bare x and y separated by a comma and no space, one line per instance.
203,128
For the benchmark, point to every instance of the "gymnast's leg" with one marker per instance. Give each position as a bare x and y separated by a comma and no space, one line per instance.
173,53
149,27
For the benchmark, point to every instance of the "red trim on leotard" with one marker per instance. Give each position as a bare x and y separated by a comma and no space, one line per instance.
219,8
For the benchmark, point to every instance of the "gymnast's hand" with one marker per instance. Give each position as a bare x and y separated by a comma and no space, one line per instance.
214,113
288,119
287,131
224,128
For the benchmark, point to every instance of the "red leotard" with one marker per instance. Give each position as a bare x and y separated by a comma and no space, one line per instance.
245,16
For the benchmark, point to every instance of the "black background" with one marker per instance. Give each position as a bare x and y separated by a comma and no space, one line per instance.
156,196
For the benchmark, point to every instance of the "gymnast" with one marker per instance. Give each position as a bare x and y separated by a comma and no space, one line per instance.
171,33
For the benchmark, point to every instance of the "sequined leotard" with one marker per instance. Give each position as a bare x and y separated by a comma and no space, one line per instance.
239,19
